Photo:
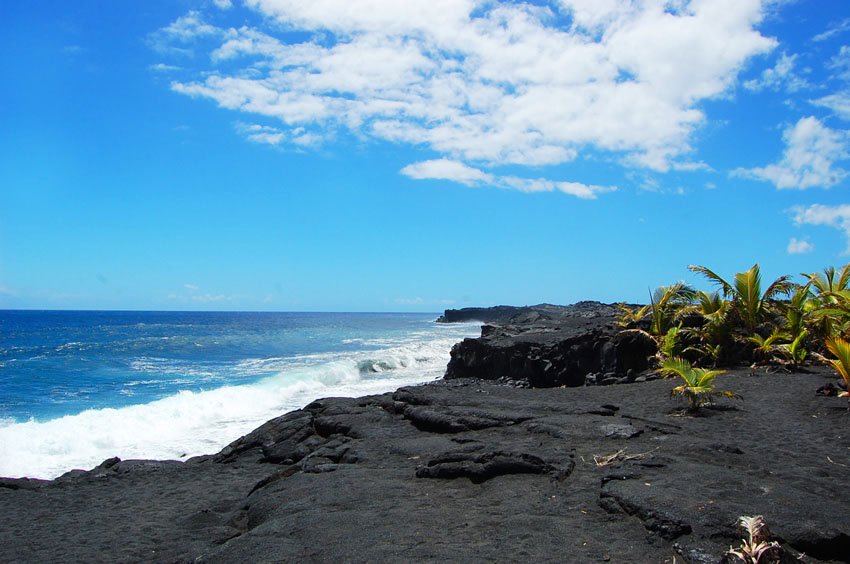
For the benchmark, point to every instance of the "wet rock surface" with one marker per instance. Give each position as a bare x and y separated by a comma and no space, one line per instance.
467,470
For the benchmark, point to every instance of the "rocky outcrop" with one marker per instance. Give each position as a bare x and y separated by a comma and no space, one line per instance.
500,314
466,470
568,346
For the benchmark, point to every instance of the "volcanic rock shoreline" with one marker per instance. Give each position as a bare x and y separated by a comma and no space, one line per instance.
471,469
545,346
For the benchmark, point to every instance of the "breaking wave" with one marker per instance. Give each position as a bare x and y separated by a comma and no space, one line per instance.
190,423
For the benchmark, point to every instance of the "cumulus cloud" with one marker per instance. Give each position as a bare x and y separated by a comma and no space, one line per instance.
799,247
447,169
493,83
811,151
780,76
223,4
837,217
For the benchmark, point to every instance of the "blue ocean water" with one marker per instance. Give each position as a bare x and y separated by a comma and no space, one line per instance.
79,387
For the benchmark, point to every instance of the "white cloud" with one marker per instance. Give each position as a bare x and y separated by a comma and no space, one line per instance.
189,27
840,63
688,166
831,216
162,67
799,247
174,38
261,133
494,82
446,169
839,103
194,296
781,76
223,4
834,29
811,150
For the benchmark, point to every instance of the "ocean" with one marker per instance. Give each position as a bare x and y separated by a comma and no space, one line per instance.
77,387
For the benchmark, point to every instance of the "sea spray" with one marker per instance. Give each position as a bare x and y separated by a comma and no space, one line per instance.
210,415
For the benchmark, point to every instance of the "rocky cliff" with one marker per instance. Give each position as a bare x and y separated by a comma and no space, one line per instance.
554,346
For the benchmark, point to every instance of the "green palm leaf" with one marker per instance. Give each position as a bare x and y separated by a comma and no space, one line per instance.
745,291
698,386
841,349
725,287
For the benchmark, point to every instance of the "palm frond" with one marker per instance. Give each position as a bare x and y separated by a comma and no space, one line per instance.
843,278
710,303
756,528
675,366
665,303
725,287
818,281
748,288
631,315
839,296
841,349
780,286
698,386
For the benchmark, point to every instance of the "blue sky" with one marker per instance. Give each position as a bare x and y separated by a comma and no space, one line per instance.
375,155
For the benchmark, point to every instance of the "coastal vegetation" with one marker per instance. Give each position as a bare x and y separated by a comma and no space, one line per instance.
757,547
841,349
698,387
782,325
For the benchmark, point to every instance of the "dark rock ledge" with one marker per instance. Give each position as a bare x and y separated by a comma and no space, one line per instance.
546,346
466,470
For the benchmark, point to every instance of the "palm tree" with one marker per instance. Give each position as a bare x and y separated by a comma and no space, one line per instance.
798,310
745,292
666,303
830,307
631,316
698,386
713,334
826,283
796,349
767,346
841,349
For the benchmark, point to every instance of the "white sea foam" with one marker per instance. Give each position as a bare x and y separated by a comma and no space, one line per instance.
192,423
